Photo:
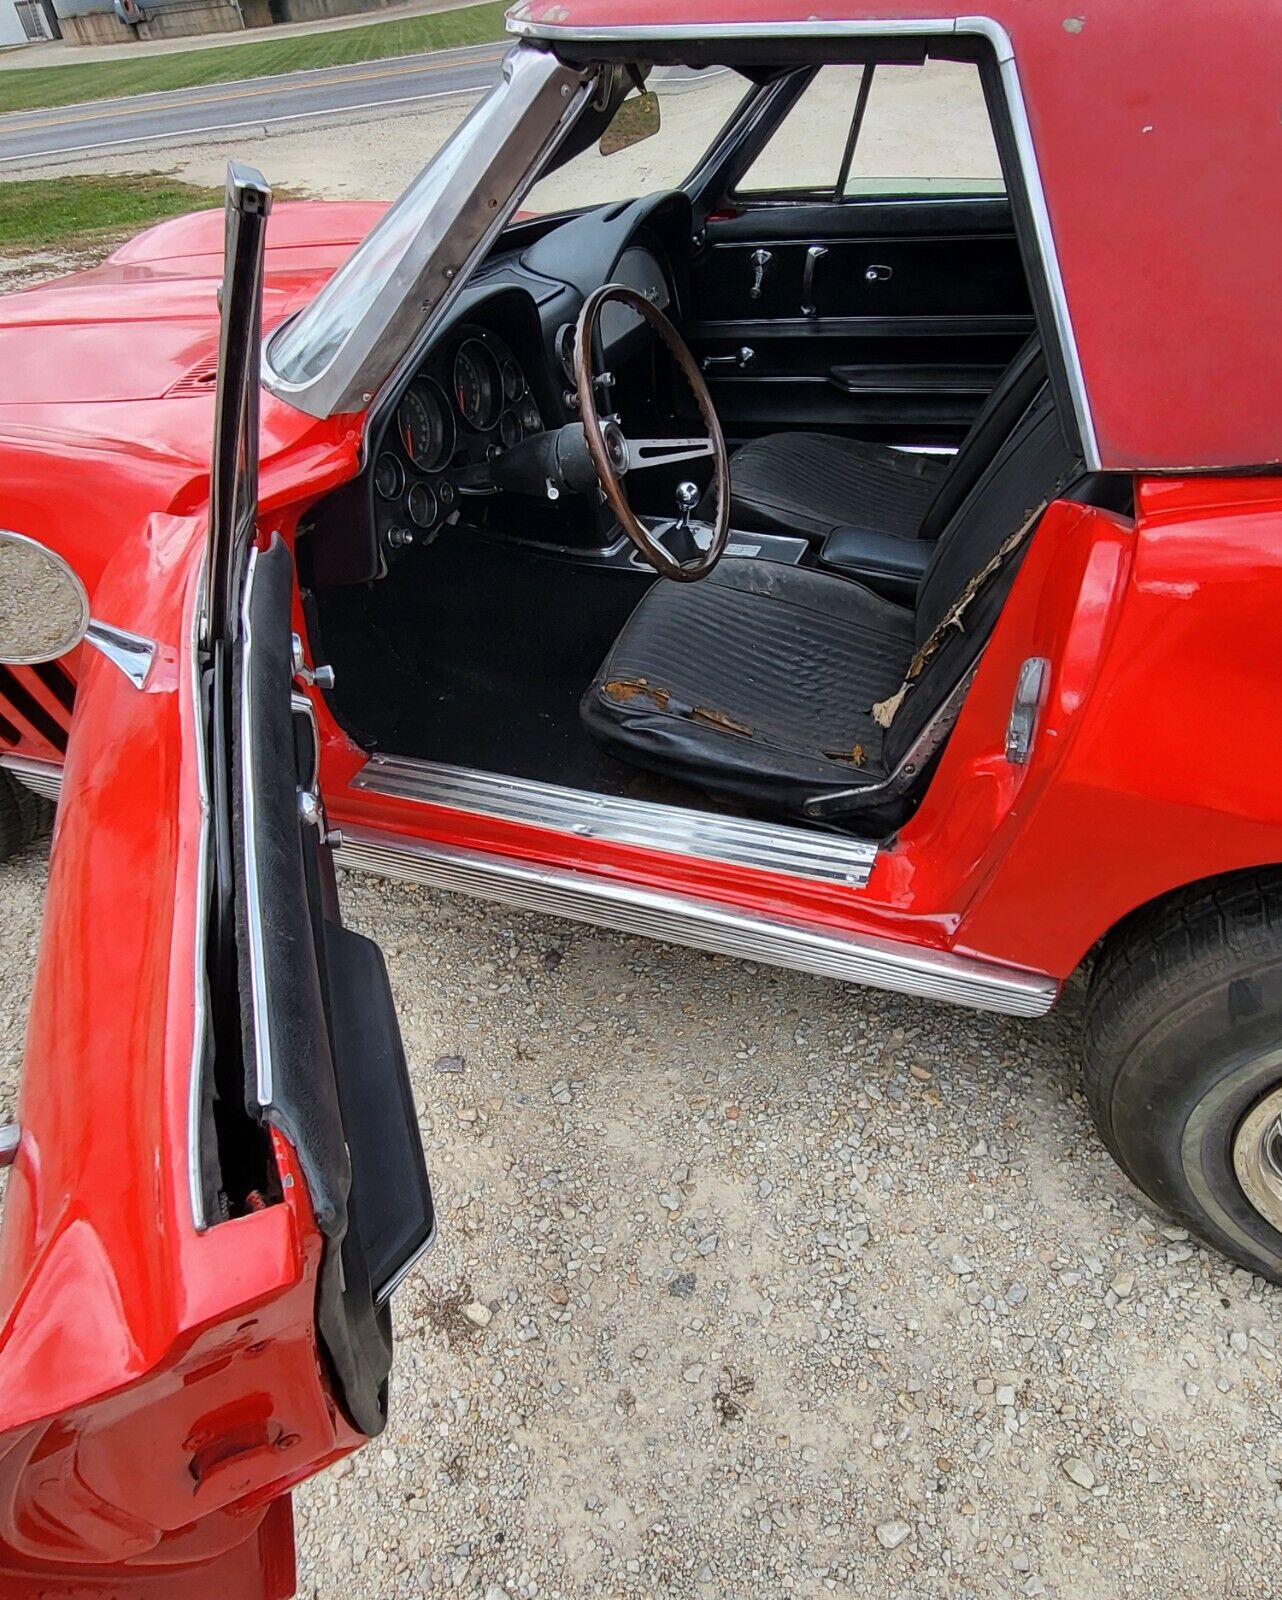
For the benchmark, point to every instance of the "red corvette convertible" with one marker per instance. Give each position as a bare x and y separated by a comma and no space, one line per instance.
828,557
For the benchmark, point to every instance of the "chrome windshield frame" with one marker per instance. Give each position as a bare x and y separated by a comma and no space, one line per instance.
339,352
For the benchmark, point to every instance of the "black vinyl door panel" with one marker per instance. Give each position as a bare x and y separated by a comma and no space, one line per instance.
885,319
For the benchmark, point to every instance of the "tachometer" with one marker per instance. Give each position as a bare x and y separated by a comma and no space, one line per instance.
425,426
478,385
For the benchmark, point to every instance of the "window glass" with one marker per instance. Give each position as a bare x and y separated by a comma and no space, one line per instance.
926,130
803,155
693,106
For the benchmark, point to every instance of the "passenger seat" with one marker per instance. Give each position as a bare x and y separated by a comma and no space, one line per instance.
817,483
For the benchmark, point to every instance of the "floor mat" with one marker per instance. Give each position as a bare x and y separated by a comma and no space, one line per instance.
476,652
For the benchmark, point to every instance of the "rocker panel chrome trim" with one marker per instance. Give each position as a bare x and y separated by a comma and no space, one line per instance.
797,852
45,777
582,897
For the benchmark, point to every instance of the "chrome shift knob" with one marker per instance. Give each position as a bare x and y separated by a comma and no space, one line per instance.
687,500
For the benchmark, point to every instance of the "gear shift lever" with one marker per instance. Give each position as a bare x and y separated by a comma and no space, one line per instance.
687,500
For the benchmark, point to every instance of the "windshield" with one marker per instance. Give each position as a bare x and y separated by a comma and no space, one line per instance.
337,353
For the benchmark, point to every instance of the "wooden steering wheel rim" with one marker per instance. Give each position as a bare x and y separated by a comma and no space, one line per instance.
598,449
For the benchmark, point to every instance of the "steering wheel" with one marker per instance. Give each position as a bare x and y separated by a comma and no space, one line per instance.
613,455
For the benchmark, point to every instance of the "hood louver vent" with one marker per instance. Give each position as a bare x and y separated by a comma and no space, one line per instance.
202,379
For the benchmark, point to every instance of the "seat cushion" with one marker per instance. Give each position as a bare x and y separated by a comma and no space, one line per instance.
811,483
758,682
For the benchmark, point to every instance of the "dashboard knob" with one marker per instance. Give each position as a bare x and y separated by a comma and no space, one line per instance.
398,538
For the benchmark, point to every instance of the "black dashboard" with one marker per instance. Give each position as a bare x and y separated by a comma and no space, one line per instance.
496,374
469,401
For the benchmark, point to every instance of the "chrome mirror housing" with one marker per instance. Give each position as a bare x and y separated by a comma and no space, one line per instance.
44,610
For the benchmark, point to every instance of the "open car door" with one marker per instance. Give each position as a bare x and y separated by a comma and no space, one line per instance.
217,1178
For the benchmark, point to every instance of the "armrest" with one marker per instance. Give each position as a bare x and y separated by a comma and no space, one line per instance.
886,563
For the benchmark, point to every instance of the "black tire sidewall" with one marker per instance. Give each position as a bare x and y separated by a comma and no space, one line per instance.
1173,1094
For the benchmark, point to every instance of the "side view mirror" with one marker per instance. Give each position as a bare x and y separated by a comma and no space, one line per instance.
44,610
637,118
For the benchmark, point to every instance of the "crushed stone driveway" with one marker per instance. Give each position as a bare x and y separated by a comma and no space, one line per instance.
750,1285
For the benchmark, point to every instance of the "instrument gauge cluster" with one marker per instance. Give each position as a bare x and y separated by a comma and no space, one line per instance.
470,400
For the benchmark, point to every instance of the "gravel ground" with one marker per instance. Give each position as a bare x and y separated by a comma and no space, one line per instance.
751,1285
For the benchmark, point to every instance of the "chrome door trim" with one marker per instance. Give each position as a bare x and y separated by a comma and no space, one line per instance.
680,830
810,28
45,777
678,919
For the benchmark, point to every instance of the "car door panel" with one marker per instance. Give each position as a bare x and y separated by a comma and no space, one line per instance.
916,307
219,1176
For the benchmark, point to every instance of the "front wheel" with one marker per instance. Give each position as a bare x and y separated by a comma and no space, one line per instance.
1183,1060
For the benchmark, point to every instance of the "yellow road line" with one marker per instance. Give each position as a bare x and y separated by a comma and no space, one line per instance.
113,108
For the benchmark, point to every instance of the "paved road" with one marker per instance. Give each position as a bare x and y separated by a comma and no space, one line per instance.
183,114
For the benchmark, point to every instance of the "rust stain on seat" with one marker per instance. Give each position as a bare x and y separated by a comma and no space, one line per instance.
622,690
719,719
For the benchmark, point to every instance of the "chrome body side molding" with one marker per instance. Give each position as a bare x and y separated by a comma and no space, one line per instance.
772,847
724,930
45,777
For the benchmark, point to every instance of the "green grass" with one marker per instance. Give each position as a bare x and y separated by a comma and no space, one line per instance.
75,213
37,87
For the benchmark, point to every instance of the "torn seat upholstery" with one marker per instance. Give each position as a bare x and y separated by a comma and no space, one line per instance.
759,683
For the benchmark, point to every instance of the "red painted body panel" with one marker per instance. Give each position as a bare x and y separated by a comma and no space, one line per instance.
167,1382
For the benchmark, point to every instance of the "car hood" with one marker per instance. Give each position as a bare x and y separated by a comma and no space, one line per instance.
144,324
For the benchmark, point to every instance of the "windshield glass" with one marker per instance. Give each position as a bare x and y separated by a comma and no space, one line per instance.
338,352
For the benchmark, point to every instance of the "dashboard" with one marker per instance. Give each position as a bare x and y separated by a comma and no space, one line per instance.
498,373
467,403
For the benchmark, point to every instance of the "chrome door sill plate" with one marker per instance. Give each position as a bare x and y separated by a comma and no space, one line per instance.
45,777
583,897
741,841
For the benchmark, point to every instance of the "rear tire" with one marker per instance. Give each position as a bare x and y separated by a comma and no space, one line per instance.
1183,1060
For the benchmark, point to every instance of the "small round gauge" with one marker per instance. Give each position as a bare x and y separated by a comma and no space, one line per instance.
478,385
565,349
425,426
513,381
389,477
421,506
510,430
531,421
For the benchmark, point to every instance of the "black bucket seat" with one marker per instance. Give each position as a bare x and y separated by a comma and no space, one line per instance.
759,682
814,483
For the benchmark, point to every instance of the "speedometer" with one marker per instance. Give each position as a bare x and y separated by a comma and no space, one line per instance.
425,426
478,385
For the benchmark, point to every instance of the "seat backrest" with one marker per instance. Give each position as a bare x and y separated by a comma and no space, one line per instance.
997,418
1032,467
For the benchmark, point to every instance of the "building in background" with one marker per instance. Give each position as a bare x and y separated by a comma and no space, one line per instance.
120,21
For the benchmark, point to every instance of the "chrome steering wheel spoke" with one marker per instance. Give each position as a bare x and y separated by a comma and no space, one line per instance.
643,453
